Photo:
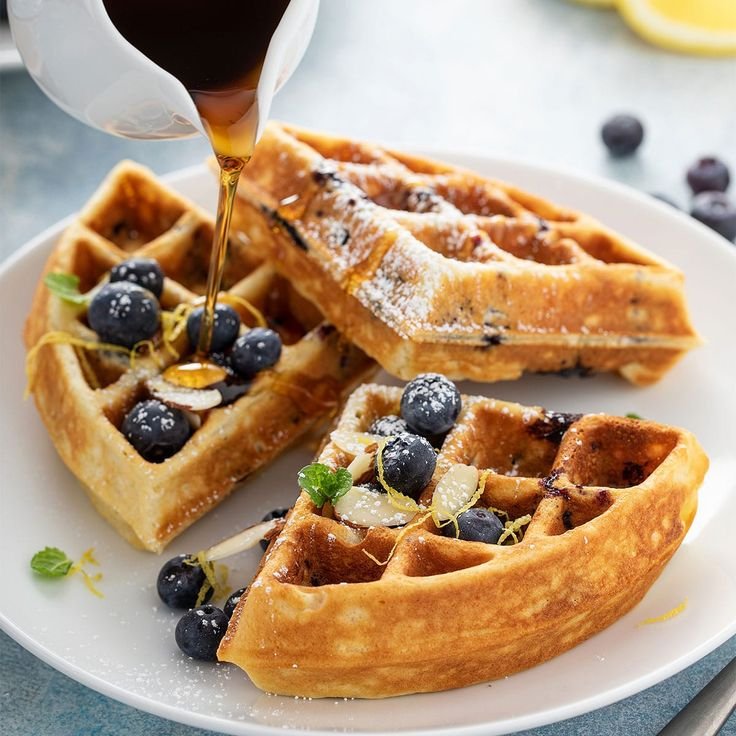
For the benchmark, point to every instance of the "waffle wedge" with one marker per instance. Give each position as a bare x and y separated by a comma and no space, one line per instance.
430,267
82,395
610,500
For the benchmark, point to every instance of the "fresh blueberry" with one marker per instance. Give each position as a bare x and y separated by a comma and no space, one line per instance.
256,350
275,514
622,134
155,430
200,631
123,314
180,581
708,174
475,525
430,404
142,271
224,330
233,601
664,198
715,210
388,426
408,463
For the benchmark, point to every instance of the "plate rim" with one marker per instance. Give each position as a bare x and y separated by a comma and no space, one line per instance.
541,718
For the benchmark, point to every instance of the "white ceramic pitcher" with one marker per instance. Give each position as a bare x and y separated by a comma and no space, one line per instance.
81,61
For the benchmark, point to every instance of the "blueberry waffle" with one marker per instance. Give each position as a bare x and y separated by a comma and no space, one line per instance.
429,267
154,461
535,530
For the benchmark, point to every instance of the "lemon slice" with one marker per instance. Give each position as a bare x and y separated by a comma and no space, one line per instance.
696,26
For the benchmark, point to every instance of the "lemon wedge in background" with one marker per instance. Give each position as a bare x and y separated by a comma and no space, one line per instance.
695,26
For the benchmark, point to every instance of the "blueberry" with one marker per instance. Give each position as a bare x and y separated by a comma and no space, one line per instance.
123,314
179,582
233,601
715,210
388,426
708,174
155,430
622,134
408,464
430,404
258,349
224,330
475,525
275,514
200,631
144,272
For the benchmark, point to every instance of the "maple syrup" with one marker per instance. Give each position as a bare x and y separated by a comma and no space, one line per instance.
216,49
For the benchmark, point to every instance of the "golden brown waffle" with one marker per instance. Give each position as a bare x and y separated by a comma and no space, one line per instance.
429,267
610,498
83,395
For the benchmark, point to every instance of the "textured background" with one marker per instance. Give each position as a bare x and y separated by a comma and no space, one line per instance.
529,79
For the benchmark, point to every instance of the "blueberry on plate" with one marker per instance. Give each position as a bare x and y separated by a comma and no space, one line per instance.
408,463
430,404
144,272
200,631
256,350
155,430
275,514
179,582
708,174
717,211
224,330
388,426
123,314
233,601
475,525
622,134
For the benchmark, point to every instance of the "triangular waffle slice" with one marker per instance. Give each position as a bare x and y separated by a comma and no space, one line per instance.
82,395
430,267
610,500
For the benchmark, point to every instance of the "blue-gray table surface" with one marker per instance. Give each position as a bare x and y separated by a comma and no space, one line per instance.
531,79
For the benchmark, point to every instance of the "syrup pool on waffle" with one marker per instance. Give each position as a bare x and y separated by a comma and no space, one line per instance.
217,53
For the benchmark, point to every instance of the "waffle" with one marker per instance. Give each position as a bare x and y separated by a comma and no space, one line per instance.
611,499
83,396
429,267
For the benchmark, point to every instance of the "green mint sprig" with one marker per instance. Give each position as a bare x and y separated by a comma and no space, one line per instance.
66,287
51,562
633,415
323,484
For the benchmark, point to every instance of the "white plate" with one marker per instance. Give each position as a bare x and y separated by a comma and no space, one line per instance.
123,644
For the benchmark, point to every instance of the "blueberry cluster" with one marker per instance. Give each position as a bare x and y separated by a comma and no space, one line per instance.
708,178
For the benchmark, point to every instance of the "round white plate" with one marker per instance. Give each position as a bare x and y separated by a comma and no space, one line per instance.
122,645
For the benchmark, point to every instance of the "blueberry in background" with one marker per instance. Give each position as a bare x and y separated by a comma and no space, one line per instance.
155,430
275,514
408,464
200,631
144,272
708,174
179,582
717,211
430,404
233,601
122,313
622,134
256,350
225,328
475,525
388,426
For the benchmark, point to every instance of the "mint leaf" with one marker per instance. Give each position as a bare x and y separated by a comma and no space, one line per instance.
66,287
633,415
323,484
51,562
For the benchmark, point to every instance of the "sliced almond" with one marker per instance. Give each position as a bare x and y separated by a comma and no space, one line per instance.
354,443
363,507
190,399
244,540
454,490
360,465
